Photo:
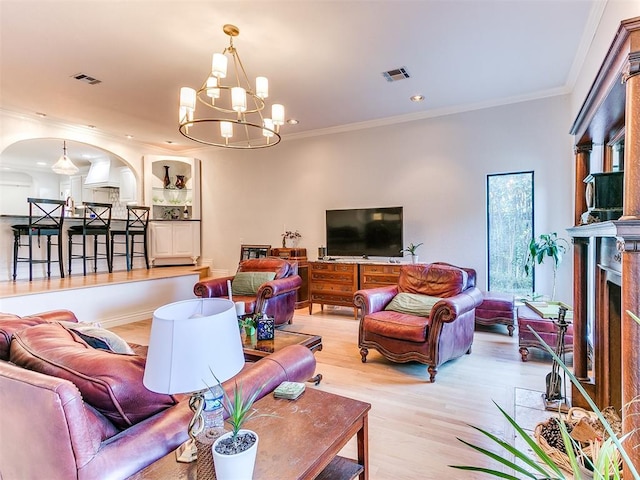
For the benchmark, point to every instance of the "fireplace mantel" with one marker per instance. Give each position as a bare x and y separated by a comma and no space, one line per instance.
606,255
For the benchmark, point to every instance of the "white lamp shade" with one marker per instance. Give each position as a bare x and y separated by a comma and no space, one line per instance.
277,114
239,99
219,65
191,341
226,129
268,124
188,98
212,87
262,87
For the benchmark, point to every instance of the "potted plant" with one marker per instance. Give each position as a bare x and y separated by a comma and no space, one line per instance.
604,467
546,245
411,250
234,453
290,239
249,324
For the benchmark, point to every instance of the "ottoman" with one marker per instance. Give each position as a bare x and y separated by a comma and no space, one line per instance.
496,309
544,327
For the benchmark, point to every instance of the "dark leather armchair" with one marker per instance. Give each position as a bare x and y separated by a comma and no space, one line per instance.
276,297
446,333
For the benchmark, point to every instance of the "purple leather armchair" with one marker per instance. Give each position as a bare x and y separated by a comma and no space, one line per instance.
446,333
276,298
48,429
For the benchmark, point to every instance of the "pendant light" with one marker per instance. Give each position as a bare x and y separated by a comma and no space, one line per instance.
64,165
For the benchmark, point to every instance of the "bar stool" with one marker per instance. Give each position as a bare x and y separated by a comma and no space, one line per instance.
45,219
136,227
96,222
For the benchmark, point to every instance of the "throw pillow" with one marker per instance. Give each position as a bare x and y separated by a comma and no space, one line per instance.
248,283
97,337
413,304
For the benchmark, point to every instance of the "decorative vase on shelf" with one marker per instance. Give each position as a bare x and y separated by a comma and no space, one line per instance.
180,182
167,180
414,258
291,242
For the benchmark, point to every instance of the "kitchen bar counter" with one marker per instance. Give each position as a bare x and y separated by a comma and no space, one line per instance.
39,270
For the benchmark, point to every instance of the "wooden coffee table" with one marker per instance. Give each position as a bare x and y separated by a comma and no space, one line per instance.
254,349
300,441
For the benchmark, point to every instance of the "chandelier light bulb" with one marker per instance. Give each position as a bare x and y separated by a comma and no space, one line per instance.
188,98
239,99
226,129
219,65
212,88
267,131
277,114
262,87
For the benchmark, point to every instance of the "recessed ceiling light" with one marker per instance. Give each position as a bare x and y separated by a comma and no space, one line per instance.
293,121
129,136
416,98
91,126
40,114
170,142
42,164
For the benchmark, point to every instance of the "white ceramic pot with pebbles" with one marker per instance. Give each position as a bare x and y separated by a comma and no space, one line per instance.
235,459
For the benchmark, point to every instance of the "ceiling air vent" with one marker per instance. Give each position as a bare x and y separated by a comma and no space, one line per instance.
83,77
396,74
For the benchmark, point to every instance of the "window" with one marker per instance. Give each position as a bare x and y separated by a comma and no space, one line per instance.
509,231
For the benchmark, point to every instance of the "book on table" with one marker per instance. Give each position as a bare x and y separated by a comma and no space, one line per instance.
289,390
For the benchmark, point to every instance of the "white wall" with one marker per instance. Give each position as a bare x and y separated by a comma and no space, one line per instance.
435,168
615,11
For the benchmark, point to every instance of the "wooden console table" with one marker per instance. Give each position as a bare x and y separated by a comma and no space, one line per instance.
334,283
311,430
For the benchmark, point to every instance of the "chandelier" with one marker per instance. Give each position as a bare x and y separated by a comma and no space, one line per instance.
237,119
64,165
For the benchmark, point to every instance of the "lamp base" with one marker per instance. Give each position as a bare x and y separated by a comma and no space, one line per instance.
187,452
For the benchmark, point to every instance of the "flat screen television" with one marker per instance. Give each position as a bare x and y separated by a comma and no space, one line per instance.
375,232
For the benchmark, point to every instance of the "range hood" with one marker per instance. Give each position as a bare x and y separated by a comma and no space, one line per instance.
103,173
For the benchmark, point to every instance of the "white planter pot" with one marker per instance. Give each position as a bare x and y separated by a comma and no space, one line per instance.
235,467
414,258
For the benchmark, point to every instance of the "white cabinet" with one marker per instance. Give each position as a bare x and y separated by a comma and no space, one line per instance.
174,243
128,191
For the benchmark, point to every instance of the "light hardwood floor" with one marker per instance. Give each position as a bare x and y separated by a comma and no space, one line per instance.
414,424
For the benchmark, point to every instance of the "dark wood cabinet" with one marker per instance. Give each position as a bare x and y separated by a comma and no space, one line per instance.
300,255
606,252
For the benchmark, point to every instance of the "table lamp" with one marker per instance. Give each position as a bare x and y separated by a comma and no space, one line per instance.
190,342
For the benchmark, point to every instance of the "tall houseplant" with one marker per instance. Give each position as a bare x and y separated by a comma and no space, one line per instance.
542,466
546,245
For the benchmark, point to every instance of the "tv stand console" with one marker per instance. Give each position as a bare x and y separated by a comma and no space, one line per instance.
335,282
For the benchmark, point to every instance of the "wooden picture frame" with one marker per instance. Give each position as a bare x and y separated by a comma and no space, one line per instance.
254,251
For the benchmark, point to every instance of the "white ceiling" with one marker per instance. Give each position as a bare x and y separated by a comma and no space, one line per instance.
323,58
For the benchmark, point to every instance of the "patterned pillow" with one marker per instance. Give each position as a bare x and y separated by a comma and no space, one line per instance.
98,337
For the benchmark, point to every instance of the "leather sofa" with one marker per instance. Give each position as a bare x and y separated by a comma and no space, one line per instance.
50,429
276,298
433,338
